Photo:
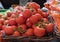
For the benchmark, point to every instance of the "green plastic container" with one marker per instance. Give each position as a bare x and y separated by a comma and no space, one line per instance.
4,11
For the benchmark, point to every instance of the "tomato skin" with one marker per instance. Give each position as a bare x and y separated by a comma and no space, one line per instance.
0,26
40,11
39,16
45,15
45,20
49,27
29,32
39,32
33,5
33,11
13,16
9,14
2,21
28,23
26,13
16,33
33,19
22,27
20,20
6,22
8,30
12,22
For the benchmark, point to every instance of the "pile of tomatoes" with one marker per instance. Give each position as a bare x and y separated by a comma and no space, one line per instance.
28,20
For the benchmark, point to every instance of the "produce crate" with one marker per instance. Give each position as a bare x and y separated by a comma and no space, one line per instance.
28,39
49,37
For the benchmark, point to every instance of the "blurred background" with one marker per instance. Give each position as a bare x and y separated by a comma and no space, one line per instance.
8,3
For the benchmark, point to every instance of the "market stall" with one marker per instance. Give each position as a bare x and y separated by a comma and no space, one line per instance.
29,22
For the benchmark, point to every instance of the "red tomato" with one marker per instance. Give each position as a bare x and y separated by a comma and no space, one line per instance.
8,30
20,20
33,5
13,16
9,14
33,19
28,23
40,11
39,32
49,27
39,16
6,22
29,32
12,22
16,33
26,13
2,21
22,27
45,20
33,11
44,14
0,26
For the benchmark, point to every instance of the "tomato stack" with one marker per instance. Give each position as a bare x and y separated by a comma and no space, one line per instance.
28,20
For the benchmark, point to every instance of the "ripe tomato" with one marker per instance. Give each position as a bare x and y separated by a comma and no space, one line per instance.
20,20
39,16
22,27
26,13
0,26
33,5
6,22
33,19
44,14
12,22
33,11
39,32
16,33
2,21
28,23
9,14
29,32
8,30
49,27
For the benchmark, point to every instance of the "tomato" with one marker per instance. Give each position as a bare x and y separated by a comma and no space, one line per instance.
13,16
39,11
39,16
33,11
39,32
16,33
45,15
33,19
33,5
22,28
29,32
49,27
12,22
6,22
20,20
0,26
2,21
8,30
9,14
28,23
26,13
